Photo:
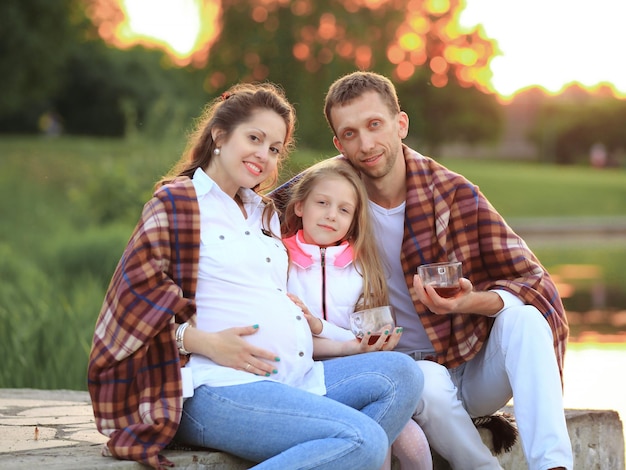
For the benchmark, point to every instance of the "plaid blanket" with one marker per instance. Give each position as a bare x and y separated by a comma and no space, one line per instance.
134,367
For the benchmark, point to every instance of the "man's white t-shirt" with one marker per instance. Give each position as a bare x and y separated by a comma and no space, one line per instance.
389,231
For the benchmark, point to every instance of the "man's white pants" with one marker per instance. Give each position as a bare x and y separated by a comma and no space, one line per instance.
517,360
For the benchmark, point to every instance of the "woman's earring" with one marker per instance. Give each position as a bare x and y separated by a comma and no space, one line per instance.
216,151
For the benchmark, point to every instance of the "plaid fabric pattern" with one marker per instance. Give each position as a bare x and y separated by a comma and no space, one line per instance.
447,218
134,367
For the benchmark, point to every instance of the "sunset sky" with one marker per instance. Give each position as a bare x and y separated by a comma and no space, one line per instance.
549,43
553,42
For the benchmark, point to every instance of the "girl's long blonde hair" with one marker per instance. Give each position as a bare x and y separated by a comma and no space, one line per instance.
360,234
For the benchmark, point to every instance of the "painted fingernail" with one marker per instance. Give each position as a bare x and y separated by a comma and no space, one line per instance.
267,374
277,359
255,326
274,372
399,330
386,332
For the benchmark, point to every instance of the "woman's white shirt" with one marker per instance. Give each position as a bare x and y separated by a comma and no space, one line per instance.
242,280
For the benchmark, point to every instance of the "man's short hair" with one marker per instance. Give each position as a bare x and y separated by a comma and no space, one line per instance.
354,85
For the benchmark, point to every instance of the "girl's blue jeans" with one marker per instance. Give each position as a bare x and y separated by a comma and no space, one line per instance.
369,399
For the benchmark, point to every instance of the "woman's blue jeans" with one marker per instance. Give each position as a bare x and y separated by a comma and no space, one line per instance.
369,399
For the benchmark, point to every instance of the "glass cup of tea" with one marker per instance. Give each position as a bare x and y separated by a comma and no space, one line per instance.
372,320
443,277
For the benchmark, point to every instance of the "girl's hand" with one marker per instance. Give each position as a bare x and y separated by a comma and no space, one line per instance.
229,348
325,348
387,341
315,324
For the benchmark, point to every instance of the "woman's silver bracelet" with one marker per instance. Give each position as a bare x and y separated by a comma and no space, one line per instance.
180,333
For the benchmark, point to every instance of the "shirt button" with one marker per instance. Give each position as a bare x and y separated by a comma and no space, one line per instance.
300,354
268,259
247,232
298,317
221,237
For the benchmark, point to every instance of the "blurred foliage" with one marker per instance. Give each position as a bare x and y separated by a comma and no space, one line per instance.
307,45
36,37
69,78
57,74
56,67
441,115
566,127
111,92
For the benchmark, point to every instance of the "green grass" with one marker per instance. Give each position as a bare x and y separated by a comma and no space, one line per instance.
520,189
68,206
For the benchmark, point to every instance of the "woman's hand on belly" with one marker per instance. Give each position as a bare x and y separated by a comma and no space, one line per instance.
229,348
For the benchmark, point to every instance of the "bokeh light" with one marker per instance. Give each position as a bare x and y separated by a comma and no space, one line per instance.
498,46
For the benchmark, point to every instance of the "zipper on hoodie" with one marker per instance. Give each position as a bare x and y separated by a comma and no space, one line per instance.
323,264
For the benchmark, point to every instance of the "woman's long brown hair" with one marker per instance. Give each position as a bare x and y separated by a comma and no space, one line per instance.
225,113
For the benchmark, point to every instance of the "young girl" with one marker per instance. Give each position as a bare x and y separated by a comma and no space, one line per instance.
335,269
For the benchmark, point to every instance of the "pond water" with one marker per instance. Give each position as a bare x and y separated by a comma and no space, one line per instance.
594,377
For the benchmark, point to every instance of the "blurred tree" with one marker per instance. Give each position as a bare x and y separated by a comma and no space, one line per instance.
111,92
59,69
306,45
449,114
35,40
570,124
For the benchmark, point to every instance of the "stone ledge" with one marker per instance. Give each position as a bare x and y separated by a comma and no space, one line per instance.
82,457
55,429
597,441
